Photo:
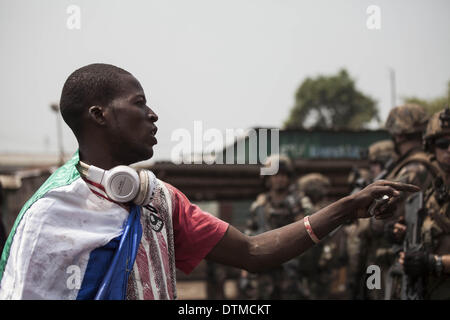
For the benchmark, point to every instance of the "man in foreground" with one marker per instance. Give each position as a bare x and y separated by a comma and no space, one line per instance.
88,233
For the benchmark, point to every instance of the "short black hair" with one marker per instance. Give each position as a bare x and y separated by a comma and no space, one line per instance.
94,84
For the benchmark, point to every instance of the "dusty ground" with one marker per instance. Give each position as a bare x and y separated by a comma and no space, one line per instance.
196,290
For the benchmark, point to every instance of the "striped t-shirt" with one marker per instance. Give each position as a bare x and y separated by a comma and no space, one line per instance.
58,247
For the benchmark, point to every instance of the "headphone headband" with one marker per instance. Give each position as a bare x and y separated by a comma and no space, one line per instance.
91,172
82,168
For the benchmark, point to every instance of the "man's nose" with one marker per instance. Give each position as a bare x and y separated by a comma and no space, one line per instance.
152,115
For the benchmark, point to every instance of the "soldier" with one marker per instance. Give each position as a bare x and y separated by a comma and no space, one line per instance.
318,277
431,262
314,187
406,125
381,156
277,207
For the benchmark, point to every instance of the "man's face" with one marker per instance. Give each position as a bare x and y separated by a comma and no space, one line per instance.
279,181
442,150
375,168
131,123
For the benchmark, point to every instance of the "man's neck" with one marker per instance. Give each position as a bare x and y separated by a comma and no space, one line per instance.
101,160
407,146
278,194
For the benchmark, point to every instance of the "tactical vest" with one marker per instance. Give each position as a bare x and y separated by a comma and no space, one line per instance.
268,215
420,157
437,221
435,234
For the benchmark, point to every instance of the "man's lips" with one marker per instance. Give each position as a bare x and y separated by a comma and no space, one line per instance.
152,135
153,139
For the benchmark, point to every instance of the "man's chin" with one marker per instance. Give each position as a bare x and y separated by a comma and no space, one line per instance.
143,155
148,155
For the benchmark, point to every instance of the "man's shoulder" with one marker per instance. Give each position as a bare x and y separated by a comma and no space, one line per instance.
413,167
418,161
418,164
261,200
75,197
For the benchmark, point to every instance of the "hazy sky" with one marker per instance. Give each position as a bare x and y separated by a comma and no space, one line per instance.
232,64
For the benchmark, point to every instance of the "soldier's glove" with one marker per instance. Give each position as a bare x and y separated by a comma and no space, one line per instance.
418,262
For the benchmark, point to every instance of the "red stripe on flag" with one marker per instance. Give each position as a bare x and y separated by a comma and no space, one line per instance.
142,263
98,185
165,260
156,263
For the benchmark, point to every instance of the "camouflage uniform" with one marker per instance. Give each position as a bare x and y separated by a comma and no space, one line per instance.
436,237
267,214
435,231
413,167
383,153
322,266
358,234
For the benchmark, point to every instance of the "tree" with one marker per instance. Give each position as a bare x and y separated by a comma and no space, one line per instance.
432,105
331,102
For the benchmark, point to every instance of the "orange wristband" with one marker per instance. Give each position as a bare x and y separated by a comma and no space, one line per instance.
310,231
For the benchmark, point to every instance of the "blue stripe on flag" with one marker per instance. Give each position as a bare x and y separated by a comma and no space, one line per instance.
109,267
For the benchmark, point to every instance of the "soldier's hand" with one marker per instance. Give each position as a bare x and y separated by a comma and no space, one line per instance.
401,258
399,231
374,193
417,262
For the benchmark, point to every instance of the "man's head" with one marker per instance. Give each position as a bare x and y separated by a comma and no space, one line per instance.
379,154
314,185
437,137
105,106
406,124
282,179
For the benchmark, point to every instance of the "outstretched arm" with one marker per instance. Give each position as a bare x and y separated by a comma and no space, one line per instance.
272,248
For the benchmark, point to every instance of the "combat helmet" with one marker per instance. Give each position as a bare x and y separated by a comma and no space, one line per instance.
438,125
381,151
406,119
314,185
284,163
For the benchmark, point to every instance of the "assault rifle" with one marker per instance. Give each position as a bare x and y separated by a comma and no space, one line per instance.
412,288
361,184
399,284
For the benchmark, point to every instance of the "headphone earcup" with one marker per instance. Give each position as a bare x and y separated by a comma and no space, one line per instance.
142,195
148,187
122,184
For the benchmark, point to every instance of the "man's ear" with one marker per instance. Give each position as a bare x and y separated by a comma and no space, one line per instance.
97,113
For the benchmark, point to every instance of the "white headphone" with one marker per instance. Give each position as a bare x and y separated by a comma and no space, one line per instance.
122,184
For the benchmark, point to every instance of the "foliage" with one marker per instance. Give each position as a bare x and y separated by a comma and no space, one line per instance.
431,105
327,102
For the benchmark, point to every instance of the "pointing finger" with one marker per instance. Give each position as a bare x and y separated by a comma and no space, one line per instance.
400,186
